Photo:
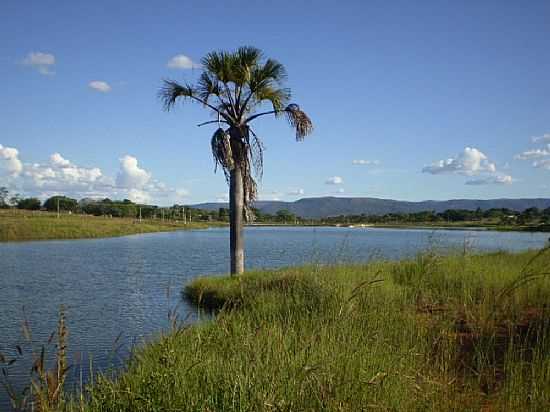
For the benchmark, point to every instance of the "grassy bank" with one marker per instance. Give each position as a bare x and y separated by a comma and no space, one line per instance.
467,225
16,225
432,333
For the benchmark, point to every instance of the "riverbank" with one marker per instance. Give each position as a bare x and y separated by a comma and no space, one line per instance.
16,225
420,226
433,333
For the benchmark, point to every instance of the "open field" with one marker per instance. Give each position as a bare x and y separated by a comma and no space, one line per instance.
17,225
433,333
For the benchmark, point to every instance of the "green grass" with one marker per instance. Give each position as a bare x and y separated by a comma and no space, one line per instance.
16,225
465,225
429,334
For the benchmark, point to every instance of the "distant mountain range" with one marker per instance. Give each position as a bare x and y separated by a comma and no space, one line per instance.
317,207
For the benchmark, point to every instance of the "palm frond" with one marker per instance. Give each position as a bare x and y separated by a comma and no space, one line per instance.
246,59
220,64
221,152
299,120
171,91
208,86
277,97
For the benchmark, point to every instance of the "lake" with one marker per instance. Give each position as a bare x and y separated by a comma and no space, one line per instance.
124,287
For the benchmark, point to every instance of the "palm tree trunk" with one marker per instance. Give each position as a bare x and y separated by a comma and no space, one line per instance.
236,204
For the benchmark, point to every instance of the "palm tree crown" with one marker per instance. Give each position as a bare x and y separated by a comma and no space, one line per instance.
234,85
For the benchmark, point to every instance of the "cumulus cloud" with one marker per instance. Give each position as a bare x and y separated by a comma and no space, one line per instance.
181,62
57,160
470,162
491,180
42,62
334,180
9,161
366,162
139,196
130,174
544,138
61,176
296,192
100,86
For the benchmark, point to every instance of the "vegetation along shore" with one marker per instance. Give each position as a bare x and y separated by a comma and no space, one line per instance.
463,332
18,225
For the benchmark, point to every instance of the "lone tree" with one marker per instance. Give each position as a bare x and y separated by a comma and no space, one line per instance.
235,85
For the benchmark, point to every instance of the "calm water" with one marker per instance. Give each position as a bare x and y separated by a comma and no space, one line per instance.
126,286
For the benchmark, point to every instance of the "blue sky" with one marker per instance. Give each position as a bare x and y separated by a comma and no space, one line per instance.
410,100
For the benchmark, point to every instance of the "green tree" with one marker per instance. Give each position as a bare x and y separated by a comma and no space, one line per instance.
65,204
29,203
285,216
4,194
235,85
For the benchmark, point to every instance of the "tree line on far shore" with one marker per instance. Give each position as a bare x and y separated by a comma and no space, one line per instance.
127,208
108,207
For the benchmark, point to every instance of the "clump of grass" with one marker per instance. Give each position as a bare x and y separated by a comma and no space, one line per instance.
432,333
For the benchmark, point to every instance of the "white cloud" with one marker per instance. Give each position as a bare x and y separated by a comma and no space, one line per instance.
542,164
534,153
541,156
139,196
544,138
43,62
296,192
334,180
340,190
58,160
130,174
470,162
366,162
61,176
492,180
9,161
100,86
182,62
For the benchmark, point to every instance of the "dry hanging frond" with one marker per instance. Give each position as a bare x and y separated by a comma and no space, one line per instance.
221,151
299,121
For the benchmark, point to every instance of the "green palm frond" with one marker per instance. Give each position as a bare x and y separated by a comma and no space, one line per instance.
220,64
273,70
208,86
171,91
277,97
246,59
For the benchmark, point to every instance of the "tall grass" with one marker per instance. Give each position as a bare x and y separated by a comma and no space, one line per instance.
432,333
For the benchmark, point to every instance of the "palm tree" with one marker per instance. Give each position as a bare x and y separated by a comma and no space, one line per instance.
234,86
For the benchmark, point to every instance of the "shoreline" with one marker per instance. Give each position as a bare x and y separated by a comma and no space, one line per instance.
531,229
402,339
25,227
